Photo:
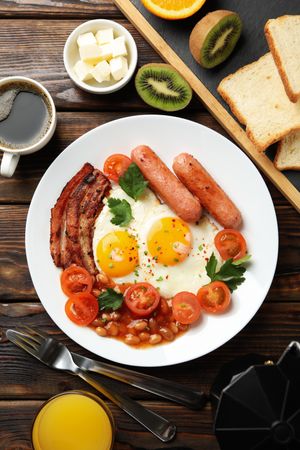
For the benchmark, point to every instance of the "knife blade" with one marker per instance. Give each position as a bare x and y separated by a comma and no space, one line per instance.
164,388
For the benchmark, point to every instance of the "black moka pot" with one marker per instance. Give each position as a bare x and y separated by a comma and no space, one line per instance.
258,407
257,403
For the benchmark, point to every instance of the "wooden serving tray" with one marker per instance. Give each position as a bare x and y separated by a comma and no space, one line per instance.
170,39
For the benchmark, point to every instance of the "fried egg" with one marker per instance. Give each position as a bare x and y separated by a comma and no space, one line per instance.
156,247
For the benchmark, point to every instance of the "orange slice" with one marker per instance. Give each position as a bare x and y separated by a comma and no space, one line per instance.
173,9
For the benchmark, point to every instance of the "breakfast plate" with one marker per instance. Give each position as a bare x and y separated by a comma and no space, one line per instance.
231,168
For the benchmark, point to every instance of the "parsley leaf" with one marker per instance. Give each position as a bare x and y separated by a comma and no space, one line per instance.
133,182
211,266
231,272
121,210
242,260
110,299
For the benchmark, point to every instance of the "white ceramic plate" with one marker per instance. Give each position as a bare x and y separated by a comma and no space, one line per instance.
168,136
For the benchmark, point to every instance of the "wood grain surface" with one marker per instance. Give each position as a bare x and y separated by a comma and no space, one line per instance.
32,35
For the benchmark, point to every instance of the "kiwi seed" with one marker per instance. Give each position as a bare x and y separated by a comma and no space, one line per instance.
162,87
214,37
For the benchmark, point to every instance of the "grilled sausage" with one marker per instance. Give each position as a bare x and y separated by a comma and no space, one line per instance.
166,185
203,186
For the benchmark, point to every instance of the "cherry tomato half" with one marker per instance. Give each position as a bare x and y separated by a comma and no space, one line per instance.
214,297
230,244
186,308
82,308
142,299
115,166
76,279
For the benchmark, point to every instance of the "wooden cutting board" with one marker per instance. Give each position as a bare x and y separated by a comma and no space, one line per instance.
170,39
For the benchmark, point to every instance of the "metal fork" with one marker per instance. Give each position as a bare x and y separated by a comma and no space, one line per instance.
164,388
57,356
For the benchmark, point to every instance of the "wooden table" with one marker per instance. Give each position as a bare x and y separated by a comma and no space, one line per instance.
32,36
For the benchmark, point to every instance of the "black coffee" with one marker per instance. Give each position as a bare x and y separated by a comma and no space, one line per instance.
25,115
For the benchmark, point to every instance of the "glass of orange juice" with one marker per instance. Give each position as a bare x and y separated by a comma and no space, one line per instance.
73,420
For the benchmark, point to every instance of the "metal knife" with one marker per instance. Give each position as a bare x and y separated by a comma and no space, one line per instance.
163,388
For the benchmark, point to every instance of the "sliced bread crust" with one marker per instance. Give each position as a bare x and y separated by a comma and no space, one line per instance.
288,153
256,96
283,36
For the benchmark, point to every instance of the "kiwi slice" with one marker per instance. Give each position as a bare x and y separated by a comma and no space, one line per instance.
162,87
214,37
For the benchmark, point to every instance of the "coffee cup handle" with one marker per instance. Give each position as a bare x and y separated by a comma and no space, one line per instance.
8,164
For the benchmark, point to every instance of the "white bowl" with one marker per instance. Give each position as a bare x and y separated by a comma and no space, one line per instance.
71,56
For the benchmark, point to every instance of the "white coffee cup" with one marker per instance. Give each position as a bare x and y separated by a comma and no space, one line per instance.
11,156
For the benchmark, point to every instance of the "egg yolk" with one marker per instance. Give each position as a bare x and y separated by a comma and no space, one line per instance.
117,253
169,241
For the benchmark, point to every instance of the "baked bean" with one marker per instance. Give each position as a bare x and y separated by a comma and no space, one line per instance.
106,317
97,322
115,315
174,328
140,326
164,307
155,339
112,329
101,331
144,336
111,316
130,339
181,326
166,333
153,325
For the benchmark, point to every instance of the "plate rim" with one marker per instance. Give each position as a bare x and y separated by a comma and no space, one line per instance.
180,360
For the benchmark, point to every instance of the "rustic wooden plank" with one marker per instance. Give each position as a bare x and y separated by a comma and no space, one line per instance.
22,377
16,282
71,125
87,9
38,53
16,419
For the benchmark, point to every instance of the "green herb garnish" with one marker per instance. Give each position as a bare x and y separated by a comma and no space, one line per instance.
110,299
121,210
160,279
240,261
231,272
133,182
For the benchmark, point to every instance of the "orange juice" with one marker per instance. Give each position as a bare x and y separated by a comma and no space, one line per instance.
73,421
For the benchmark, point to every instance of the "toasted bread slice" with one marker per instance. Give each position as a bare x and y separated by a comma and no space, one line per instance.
288,153
256,96
283,36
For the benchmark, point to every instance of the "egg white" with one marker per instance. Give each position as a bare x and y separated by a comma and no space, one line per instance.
188,275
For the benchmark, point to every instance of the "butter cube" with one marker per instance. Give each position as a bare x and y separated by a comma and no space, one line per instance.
86,39
106,51
105,36
83,70
118,67
119,47
90,53
101,72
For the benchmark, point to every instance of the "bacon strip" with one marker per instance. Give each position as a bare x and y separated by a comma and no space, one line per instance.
57,213
71,249
90,208
73,218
